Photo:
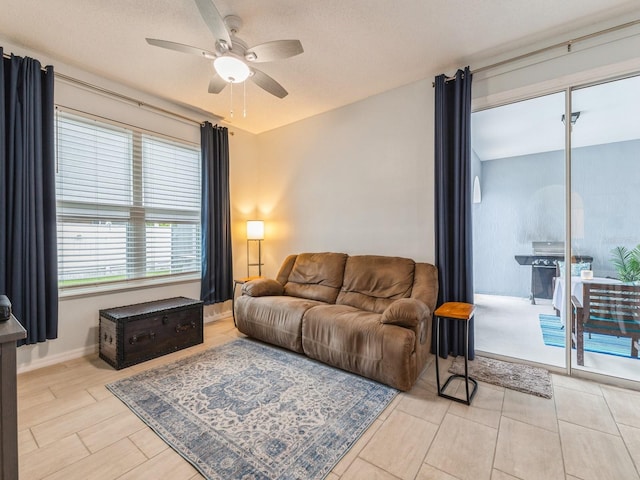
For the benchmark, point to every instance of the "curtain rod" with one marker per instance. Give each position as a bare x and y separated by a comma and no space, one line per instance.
140,103
566,43
125,98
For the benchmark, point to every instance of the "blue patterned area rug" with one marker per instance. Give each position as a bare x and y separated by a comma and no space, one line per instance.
553,335
245,410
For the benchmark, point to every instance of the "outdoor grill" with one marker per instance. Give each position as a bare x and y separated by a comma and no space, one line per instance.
543,260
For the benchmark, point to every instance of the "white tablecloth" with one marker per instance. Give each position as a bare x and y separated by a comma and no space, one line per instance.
576,290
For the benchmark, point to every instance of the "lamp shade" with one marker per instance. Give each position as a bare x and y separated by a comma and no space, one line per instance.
231,69
255,230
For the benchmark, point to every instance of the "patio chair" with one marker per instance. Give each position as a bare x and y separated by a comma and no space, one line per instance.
608,310
576,267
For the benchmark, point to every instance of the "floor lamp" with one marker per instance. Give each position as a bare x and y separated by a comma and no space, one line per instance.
255,233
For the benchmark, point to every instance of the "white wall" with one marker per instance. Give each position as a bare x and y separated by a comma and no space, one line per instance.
244,158
358,179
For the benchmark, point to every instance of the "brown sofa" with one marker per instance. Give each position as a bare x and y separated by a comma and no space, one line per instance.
366,314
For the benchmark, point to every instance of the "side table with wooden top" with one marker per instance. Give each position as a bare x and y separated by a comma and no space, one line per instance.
463,312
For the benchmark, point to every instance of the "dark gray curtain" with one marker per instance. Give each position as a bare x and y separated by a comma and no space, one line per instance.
217,267
453,204
28,252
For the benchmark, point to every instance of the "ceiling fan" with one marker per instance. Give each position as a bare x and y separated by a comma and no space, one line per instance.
232,59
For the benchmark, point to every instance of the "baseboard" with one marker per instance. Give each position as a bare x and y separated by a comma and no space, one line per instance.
90,350
58,358
217,316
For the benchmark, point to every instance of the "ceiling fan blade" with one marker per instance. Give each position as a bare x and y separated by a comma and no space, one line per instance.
216,84
179,47
214,21
267,83
276,50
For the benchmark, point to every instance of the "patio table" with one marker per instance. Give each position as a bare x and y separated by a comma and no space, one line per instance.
576,290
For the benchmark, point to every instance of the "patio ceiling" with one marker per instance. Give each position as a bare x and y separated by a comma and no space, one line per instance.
608,113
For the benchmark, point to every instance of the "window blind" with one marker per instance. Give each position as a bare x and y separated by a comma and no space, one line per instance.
128,203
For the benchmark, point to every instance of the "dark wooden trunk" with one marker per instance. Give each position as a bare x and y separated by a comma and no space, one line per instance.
136,333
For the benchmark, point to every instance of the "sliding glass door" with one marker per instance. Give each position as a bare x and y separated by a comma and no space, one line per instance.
605,184
519,228
556,231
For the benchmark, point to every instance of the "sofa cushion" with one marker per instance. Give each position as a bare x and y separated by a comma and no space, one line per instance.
425,284
373,282
356,341
285,269
262,287
273,319
316,276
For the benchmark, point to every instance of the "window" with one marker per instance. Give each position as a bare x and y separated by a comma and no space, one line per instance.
128,203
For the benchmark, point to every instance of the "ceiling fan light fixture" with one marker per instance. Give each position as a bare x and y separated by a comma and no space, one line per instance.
231,69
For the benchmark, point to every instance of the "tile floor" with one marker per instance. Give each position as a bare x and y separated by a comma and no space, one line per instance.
71,427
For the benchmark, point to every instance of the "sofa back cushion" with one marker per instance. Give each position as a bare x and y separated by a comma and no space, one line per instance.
316,276
373,282
425,284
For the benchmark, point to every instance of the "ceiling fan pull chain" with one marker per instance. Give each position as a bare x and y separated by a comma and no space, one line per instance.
231,107
244,99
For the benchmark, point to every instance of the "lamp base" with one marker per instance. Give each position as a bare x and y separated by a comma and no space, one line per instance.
253,264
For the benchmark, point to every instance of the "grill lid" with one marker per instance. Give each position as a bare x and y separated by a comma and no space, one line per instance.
548,248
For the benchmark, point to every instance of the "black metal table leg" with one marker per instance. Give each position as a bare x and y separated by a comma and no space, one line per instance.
467,379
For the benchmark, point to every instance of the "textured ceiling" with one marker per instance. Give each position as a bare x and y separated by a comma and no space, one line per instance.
353,48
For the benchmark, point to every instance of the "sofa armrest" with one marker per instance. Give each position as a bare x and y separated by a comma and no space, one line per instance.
262,287
406,312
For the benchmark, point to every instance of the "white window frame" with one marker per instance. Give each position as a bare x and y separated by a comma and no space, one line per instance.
136,214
